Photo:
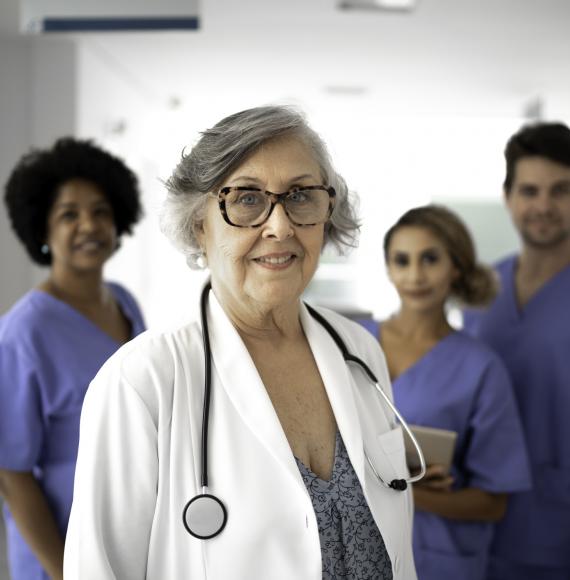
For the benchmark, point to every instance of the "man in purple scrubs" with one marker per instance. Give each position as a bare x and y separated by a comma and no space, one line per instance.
529,326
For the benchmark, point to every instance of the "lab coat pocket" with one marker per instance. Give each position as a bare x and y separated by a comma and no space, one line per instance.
388,455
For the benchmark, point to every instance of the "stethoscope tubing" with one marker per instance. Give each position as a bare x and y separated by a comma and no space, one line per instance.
214,505
207,385
404,424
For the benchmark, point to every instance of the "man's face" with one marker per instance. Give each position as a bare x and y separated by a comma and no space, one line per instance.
539,202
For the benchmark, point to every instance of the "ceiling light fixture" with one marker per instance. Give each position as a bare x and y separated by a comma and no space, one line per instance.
379,5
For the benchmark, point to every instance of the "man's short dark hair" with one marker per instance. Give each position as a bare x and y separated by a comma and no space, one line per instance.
549,140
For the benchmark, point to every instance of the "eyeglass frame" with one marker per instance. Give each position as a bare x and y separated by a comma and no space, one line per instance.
275,199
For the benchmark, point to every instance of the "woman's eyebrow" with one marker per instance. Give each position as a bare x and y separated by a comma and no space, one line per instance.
304,176
245,178
64,204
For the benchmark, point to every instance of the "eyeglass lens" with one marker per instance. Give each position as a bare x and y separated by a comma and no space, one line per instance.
249,207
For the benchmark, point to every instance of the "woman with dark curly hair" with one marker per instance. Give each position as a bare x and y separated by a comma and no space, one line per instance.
443,378
69,206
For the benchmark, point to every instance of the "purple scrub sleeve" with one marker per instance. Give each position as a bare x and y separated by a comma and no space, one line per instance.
534,343
19,410
49,352
461,385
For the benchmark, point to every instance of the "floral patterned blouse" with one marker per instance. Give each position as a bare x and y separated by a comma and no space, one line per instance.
351,544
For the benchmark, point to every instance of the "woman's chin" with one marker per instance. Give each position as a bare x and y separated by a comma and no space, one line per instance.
273,294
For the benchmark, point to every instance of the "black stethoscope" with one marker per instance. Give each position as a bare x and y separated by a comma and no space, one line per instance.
205,515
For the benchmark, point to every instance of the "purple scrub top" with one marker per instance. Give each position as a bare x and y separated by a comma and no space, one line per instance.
462,385
49,352
534,343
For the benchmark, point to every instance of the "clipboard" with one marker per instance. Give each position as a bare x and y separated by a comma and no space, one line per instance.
437,445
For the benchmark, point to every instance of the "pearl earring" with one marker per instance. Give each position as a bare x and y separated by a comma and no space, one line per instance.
202,260
44,249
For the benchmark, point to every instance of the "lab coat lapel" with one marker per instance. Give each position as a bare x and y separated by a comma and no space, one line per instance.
340,386
239,377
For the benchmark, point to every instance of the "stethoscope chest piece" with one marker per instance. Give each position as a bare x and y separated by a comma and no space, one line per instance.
204,516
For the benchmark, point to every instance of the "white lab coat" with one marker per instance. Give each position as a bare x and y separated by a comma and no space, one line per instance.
139,461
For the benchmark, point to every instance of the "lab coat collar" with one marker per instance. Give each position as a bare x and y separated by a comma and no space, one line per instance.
240,379
242,383
340,386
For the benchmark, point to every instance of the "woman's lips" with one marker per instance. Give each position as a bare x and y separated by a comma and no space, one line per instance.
275,261
417,293
89,246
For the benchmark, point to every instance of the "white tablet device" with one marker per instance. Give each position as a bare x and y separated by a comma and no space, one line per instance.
437,445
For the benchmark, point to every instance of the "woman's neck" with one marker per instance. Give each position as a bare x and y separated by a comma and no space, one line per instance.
420,326
263,323
75,288
272,327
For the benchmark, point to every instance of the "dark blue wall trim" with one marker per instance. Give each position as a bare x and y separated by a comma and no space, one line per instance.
118,24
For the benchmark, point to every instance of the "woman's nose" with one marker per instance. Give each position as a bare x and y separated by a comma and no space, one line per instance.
278,225
416,272
87,222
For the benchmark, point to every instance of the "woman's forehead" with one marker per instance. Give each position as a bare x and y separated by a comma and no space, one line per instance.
416,238
286,156
78,190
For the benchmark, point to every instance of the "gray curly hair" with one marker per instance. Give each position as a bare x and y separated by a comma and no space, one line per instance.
222,149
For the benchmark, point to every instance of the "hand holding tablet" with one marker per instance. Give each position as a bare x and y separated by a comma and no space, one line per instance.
437,445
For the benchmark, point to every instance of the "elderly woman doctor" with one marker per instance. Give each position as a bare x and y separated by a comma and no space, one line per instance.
252,410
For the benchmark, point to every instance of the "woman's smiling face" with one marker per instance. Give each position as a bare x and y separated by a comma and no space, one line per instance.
81,231
268,266
420,267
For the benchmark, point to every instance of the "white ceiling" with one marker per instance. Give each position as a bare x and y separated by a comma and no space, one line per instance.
475,57
485,57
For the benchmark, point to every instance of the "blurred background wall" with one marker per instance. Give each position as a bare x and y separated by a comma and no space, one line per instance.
415,105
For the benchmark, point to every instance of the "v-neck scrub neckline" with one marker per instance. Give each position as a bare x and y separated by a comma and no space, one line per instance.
426,357
536,301
90,326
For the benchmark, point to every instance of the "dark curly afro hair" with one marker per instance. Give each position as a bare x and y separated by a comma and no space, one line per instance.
33,184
